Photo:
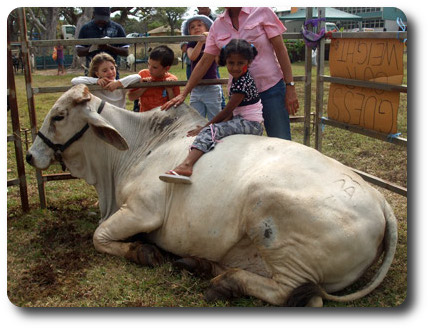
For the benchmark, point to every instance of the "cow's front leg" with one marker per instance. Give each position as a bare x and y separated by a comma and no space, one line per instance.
123,224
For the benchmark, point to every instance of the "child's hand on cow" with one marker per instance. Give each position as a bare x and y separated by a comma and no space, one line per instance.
176,101
195,131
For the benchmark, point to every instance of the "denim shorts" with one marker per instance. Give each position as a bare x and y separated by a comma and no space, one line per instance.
209,136
275,114
206,99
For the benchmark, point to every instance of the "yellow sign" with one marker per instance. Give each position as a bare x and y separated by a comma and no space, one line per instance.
377,60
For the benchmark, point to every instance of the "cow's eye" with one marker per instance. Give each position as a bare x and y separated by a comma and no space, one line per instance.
57,118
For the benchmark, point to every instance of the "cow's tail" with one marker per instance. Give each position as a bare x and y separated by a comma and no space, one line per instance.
390,243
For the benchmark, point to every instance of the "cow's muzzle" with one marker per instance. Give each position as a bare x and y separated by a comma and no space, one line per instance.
29,158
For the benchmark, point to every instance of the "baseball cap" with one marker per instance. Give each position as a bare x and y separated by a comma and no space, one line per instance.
102,14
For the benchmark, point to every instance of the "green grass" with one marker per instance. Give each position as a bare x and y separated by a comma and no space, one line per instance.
52,261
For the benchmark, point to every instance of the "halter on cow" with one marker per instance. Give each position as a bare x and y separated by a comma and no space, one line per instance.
60,148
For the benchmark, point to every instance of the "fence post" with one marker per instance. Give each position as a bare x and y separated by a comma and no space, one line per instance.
30,96
16,128
319,103
308,88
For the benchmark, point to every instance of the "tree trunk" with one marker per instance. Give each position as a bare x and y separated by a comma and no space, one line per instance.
51,23
48,26
85,18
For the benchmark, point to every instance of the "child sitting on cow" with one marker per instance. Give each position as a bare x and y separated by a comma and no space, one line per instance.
102,72
242,114
160,60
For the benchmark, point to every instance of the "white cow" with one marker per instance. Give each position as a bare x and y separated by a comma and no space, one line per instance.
268,218
130,61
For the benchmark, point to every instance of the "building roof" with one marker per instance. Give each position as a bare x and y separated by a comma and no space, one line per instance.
331,14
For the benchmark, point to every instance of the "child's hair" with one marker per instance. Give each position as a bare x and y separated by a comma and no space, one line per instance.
237,46
163,54
97,61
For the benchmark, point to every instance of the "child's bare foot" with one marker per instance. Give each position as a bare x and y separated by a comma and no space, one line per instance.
183,170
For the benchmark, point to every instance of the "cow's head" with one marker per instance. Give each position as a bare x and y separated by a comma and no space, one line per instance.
70,114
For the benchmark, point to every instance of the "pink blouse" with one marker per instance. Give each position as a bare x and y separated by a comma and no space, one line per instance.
257,25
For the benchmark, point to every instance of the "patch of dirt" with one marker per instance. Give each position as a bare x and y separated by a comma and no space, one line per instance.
53,72
63,258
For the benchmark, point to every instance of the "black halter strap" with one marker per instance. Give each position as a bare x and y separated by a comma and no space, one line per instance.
59,148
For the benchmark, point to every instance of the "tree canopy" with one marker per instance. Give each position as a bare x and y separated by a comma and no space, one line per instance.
45,22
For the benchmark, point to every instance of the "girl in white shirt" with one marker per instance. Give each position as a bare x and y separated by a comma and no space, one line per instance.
103,72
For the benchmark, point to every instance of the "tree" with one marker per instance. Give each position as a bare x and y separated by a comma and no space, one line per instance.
83,19
12,25
45,20
219,10
124,12
172,16
71,15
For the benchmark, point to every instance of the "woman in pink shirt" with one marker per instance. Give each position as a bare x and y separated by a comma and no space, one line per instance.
271,69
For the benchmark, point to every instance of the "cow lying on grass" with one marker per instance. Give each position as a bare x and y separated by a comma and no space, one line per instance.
264,217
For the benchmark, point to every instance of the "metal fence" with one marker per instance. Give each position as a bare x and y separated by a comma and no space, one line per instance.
318,119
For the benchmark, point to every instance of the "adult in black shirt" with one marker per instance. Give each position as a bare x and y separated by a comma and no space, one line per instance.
101,26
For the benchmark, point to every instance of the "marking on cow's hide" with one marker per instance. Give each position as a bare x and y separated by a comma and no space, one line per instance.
257,205
162,124
268,231
348,185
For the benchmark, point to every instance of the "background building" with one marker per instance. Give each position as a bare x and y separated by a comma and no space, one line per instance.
376,18
347,18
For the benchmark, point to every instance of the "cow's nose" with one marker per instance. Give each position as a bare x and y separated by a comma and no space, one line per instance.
29,158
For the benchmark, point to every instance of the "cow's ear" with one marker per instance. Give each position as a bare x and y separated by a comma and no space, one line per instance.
106,132
81,94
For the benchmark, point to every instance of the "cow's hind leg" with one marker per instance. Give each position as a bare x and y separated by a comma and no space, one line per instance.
199,266
238,282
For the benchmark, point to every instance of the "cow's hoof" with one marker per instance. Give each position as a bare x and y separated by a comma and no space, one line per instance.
188,264
217,293
195,266
223,287
145,254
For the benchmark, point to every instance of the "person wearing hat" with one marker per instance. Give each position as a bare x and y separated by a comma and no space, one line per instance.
271,70
101,26
206,99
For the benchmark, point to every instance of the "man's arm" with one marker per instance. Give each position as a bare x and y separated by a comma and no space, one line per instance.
82,51
121,51
136,94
